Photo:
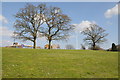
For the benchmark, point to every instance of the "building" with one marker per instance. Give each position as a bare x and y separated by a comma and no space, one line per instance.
54,46
16,45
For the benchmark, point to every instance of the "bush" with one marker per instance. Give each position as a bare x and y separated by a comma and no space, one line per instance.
114,47
69,46
96,48
83,47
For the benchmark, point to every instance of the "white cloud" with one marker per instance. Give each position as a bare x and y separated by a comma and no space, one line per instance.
3,19
111,12
83,25
4,43
5,36
4,31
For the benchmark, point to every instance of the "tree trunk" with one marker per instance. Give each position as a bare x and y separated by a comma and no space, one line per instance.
94,46
34,44
49,38
49,46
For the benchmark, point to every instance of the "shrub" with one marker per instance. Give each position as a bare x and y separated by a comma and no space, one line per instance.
83,47
96,48
114,47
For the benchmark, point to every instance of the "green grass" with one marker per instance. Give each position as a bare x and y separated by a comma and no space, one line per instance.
0,62
30,63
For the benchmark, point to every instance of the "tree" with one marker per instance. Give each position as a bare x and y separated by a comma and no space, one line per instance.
57,25
28,22
69,46
95,35
114,47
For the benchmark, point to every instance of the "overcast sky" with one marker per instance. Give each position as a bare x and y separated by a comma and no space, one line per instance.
105,14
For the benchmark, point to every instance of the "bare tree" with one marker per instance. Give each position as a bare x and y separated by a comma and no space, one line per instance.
69,46
57,25
28,22
95,35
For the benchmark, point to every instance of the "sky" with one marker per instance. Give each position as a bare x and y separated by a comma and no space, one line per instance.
104,14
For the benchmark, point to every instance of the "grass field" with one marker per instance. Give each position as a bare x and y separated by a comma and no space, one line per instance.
40,63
